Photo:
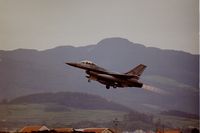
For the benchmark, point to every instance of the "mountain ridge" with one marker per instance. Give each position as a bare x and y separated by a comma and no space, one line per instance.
99,43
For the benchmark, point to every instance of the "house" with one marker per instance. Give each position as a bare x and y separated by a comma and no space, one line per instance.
80,130
139,131
98,130
29,129
168,131
64,130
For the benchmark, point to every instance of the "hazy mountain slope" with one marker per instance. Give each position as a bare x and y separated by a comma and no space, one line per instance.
30,71
70,100
180,114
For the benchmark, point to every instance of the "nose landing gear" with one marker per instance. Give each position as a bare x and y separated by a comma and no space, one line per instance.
89,78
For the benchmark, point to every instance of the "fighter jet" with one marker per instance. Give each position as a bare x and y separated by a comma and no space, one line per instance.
111,79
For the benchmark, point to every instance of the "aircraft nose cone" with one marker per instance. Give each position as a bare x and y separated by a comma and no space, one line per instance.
71,63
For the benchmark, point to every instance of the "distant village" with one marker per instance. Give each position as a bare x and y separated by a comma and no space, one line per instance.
45,129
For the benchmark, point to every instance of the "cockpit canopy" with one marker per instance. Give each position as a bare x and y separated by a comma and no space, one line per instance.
87,62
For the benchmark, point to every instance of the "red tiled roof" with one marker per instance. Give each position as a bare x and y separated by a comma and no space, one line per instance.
169,131
96,130
64,129
29,129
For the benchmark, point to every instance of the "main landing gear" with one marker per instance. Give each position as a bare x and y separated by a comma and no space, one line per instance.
107,86
115,86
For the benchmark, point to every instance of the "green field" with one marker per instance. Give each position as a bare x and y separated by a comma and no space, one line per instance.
39,114
53,115
177,122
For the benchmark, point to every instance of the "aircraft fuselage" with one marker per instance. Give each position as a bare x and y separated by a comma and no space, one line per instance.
113,81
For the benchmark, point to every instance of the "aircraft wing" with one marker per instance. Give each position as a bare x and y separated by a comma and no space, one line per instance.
122,76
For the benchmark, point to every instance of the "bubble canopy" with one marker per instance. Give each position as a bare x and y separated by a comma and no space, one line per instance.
87,62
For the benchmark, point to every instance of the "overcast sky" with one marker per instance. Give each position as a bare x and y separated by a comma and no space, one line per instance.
44,24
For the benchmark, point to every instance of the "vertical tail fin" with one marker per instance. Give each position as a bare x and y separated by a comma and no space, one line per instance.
138,70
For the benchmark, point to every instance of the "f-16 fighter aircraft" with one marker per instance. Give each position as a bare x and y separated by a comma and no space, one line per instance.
129,79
